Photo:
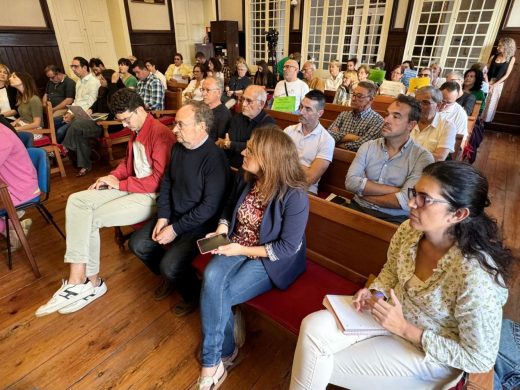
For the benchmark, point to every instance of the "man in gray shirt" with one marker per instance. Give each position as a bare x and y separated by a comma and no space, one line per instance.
385,168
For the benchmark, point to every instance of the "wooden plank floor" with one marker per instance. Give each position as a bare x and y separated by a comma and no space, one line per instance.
126,340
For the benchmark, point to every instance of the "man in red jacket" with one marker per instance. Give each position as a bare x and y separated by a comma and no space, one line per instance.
124,197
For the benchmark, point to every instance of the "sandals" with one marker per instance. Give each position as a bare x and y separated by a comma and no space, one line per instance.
82,172
212,382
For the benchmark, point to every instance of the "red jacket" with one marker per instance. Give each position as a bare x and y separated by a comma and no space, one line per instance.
158,141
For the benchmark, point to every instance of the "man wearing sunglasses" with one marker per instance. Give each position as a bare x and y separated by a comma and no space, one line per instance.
353,128
385,168
124,197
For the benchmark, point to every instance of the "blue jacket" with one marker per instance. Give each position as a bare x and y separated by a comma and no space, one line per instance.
282,231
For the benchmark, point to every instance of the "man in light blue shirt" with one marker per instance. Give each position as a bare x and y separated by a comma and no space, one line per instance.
385,168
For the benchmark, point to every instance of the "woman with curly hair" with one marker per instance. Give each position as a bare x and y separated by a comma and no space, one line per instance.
472,84
500,67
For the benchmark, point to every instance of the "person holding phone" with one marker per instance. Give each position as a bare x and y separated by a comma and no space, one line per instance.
445,277
265,221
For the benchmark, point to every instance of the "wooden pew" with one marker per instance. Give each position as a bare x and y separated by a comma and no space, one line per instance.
333,180
347,242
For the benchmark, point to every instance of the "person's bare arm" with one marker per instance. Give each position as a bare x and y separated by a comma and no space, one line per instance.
316,170
440,154
63,104
350,138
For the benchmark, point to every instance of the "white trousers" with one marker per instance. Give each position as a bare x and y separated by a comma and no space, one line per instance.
325,355
88,211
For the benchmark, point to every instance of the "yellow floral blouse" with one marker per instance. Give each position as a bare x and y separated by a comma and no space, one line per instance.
459,306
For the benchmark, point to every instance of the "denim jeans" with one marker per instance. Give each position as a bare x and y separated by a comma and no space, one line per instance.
507,366
61,132
172,262
27,138
228,281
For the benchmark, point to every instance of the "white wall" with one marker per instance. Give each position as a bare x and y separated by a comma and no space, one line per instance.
21,13
149,16
231,10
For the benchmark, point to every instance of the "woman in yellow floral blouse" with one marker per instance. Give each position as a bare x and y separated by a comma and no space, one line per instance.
445,278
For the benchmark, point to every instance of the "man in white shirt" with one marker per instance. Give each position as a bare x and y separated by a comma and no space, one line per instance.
150,65
315,145
291,85
87,88
452,111
432,132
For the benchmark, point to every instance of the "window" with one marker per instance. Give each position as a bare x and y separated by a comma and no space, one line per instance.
264,15
453,33
342,29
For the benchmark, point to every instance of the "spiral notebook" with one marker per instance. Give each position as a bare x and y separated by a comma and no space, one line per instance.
350,321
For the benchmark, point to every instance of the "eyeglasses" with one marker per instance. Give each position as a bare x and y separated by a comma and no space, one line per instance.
424,75
126,120
176,59
208,90
444,103
181,125
422,200
359,96
248,101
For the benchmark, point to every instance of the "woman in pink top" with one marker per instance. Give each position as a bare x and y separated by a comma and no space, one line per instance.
17,171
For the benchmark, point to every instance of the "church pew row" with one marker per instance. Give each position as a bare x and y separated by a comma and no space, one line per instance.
344,247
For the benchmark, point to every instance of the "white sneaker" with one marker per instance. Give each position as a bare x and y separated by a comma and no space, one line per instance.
66,295
98,291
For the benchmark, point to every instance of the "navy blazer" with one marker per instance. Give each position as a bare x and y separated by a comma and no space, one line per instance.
282,231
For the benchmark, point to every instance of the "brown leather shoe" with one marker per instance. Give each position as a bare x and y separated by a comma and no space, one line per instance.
164,290
184,308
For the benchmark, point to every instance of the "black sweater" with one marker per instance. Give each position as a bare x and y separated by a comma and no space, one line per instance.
193,188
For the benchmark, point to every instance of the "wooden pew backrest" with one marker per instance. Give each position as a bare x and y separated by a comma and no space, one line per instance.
333,180
351,244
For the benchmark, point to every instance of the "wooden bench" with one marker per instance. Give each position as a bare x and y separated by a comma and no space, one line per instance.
333,180
343,248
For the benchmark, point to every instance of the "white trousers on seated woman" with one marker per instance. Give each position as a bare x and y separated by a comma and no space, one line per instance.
325,355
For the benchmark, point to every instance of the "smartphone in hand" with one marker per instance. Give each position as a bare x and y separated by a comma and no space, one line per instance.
211,243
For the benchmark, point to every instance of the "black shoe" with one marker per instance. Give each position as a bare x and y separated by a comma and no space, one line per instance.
184,308
164,290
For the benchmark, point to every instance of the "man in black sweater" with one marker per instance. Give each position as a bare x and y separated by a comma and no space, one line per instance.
212,93
190,200
242,125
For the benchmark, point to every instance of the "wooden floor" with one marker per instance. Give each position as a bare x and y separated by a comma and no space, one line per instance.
126,340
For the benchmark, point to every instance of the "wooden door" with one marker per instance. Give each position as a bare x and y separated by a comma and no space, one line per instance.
189,27
99,31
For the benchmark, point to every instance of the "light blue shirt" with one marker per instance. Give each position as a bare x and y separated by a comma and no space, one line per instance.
402,170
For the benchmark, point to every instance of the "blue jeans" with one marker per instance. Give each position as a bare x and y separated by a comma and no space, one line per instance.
227,281
27,138
61,132
507,366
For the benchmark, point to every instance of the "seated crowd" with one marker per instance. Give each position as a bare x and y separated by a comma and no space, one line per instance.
235,173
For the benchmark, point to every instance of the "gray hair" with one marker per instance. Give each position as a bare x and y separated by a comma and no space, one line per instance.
260,92
369,86
218,82
456,74
202,113
434,93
